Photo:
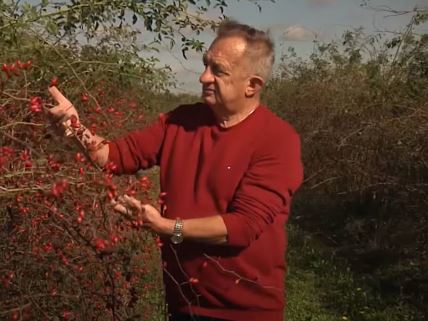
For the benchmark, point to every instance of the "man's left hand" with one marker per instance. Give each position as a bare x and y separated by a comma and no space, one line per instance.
151,217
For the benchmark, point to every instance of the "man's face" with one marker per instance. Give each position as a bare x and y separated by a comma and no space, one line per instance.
225,77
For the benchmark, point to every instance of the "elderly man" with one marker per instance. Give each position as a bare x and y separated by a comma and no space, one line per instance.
229,168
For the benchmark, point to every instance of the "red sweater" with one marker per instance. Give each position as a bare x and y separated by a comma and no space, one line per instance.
246,173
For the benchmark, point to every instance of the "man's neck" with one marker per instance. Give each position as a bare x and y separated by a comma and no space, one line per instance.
232,119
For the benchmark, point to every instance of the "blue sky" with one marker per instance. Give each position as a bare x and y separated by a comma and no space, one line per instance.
297,23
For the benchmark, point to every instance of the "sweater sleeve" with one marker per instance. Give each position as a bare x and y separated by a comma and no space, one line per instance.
266,188
139,149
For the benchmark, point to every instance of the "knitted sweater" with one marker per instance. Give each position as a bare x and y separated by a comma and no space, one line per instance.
247,174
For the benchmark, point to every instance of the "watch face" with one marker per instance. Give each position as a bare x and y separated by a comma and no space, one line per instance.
177,238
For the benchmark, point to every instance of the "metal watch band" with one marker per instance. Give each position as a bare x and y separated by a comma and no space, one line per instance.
177,233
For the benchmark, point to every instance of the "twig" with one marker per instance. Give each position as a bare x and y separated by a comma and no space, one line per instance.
239,277
21,123
324,181
27,305
16,190
185,274
179,287
14,97
24,144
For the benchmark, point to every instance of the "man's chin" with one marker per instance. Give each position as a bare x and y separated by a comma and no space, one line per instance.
208,99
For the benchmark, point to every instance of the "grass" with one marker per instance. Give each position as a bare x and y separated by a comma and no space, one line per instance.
321,287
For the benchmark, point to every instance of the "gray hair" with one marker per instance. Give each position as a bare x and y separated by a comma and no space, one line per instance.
260,47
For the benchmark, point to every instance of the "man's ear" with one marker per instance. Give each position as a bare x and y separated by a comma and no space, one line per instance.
255,85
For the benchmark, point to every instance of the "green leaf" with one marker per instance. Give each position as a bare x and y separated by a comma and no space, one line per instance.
52,27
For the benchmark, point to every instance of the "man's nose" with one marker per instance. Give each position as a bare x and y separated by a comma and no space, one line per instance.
206,76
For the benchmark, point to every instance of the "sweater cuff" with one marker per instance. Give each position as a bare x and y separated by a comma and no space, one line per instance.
237,233
114,156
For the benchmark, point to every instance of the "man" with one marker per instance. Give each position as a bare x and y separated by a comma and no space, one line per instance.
229,168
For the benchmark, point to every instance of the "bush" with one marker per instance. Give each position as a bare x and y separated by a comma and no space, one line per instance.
64,252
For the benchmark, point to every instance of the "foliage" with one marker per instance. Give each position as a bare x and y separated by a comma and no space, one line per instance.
64,253
105,37
112,23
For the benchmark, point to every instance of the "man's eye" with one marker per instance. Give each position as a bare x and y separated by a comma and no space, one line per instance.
217,70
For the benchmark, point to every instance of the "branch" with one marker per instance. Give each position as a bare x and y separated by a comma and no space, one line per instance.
21,123
240,277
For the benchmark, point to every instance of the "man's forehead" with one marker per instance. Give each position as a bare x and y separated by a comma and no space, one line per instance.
231,47
215,56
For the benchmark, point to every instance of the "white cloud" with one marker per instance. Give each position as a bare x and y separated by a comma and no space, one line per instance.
298,33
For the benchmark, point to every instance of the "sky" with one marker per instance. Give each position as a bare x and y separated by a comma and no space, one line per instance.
296,23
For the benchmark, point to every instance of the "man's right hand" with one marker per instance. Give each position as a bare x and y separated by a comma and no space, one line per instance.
64,114
66,120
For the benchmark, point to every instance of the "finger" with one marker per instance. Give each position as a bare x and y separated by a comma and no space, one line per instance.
132,202
129,202
57,111
58,96
67,126
120,208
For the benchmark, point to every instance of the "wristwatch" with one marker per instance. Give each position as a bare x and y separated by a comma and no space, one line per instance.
177,233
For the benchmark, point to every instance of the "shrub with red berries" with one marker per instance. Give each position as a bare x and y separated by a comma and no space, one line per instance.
64,253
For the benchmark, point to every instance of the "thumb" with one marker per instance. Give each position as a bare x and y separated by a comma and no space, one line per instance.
58,96
118,207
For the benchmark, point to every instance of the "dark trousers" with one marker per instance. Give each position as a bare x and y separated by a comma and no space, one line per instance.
187,317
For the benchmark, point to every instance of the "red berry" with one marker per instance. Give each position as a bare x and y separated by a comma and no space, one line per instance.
74,122
84,98
66,315
100,244
20,64
193,280
54,82
59,187
5,68
25,155
35,104
28,164
15,316
79,157
13,69
28,64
